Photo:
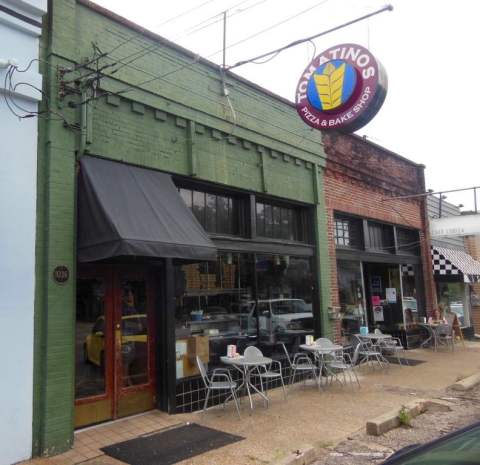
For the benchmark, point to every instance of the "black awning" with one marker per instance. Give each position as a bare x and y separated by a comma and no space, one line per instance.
124,210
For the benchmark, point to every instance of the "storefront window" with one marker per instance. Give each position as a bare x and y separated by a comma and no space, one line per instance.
410,302
213,309
352,303
454,298
90,338
284,296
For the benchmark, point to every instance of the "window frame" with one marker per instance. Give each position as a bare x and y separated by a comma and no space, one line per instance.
355,234
295,230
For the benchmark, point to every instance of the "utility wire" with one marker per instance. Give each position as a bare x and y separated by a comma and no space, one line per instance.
218,18
151,48
269,28
307,39
184,13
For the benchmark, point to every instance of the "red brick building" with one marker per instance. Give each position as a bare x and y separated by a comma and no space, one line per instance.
378,245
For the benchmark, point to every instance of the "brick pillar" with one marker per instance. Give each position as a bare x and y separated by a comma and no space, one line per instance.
425,250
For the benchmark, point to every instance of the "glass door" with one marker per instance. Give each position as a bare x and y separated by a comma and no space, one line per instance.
94,347
114,358
134,344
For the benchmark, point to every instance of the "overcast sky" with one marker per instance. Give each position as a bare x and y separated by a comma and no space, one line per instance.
426,46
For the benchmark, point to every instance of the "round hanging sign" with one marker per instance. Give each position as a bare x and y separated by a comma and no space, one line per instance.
342,88
61,274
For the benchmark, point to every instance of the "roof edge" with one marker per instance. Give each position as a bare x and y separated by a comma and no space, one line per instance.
365,140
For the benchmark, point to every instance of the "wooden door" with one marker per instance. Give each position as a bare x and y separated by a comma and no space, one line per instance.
134,342
114,344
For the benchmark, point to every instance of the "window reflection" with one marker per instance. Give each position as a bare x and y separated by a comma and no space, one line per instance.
350,289
409,297
213,306
216,306
90,338
284,297
134,335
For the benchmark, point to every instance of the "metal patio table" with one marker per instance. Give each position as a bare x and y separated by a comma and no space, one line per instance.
432,335
320,352
245,367
374,336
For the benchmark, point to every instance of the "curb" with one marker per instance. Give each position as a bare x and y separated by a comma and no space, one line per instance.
466,383
390,420
309,454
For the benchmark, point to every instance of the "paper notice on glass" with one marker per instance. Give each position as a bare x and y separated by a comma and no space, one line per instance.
378,313
391,294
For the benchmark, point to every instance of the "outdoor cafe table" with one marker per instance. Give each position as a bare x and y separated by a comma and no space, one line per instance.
320,351
374,336
245,367
432,334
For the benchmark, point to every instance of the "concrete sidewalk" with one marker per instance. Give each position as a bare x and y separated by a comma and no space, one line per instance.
309,416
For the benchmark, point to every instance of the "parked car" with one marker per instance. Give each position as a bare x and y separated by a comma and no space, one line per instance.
461,447
134,331
279,315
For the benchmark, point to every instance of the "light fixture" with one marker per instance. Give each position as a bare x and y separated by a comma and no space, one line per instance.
229,258
276,260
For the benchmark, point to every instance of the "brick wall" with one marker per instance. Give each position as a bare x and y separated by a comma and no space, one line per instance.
472,244
359,176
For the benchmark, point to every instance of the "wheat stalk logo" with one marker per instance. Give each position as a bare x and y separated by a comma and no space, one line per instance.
330,85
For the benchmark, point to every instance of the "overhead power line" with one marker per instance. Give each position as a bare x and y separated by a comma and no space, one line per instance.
184,13
151,48
307,39
269,28
216,19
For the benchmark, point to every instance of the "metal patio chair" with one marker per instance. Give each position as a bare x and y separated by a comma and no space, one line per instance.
367,351
324,342
265,372
301,363
214,383
392,346
341,363
444,334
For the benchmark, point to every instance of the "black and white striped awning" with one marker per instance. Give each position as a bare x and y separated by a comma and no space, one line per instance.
450,262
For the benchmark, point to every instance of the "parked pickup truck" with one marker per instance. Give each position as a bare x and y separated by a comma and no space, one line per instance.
279,315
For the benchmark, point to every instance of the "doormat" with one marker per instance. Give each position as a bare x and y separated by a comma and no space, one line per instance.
411,361
171,446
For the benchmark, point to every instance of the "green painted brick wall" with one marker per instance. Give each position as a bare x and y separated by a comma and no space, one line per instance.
181,124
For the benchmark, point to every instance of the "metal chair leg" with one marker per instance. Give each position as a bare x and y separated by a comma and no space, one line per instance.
234,396
283,387
206,400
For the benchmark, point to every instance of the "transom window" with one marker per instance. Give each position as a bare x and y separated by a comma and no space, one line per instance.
279,222
408,241
381,237
347,232
216,213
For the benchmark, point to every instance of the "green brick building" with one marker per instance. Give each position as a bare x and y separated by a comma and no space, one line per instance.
120,333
